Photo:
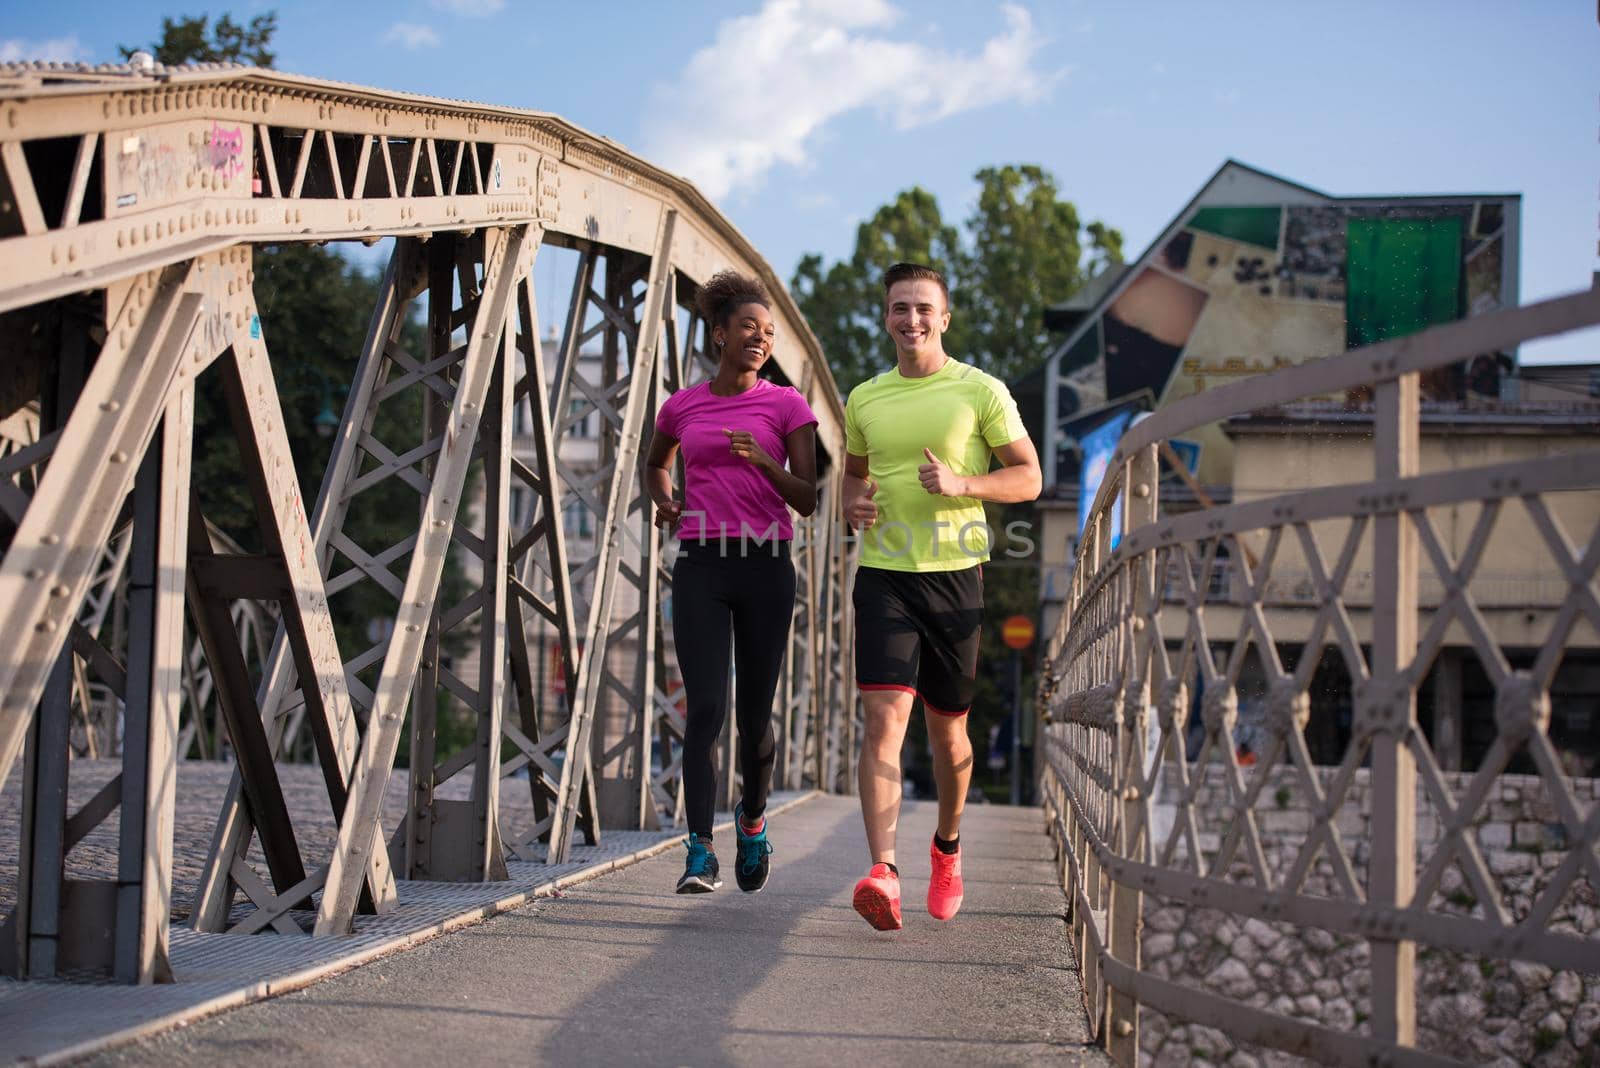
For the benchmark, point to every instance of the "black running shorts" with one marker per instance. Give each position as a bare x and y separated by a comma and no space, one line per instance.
917,631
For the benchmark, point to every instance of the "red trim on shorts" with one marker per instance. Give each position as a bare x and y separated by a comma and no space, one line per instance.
879,686
871,686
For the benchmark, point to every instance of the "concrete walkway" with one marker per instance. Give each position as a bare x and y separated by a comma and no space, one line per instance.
48,1022
622,971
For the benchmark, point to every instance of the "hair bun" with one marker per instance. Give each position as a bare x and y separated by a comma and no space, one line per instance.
726,291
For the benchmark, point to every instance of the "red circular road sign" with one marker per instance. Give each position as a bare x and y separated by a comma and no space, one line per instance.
1017,632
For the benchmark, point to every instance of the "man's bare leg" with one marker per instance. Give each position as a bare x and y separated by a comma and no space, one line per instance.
888,712
952,768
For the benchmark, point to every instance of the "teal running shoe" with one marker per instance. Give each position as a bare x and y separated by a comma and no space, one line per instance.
752,867
701,874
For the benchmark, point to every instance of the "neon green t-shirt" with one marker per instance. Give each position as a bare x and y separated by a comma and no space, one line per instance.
959,412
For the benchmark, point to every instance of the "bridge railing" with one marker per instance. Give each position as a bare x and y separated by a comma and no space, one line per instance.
1175,847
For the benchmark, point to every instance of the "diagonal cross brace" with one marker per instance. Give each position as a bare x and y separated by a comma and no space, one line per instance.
234,824
549,531
590,687
305,619
507,257
52,557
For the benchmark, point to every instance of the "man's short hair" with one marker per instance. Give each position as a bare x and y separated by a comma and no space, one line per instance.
915,272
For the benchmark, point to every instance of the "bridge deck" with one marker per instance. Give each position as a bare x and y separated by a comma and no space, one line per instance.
620,970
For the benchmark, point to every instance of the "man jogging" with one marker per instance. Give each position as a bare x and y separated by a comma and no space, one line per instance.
919,443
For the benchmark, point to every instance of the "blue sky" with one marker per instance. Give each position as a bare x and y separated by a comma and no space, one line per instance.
801,117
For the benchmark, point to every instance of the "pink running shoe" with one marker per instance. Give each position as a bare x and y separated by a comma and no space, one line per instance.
944,884
877,898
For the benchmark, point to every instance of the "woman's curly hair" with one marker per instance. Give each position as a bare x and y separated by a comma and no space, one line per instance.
726,292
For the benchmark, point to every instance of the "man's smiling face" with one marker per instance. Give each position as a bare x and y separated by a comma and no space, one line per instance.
917,317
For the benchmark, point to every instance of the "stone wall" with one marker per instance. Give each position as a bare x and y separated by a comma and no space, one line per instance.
1478,1010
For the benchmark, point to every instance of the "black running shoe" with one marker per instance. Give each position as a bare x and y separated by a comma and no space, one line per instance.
700,872
752,866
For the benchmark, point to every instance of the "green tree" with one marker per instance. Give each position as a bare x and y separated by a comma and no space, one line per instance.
1028,250
186,39
844,302
1024,248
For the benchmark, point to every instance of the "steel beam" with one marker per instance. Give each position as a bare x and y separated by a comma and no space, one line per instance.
540,575
150,717
507,257
1389,706
224,131
586,698
51,560
116,927
450,839
236,824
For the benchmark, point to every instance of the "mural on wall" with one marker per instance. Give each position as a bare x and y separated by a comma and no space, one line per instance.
1313,254
1247,289
1147,327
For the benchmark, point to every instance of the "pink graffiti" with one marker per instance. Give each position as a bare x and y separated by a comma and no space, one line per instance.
225,150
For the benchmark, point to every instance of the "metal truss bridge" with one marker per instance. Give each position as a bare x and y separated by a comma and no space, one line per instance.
132,206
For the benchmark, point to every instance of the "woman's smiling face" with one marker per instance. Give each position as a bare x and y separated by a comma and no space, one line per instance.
746,340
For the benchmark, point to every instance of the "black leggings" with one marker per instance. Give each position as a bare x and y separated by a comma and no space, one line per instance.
721,592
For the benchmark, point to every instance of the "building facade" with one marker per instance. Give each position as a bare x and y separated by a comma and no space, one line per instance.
1257,273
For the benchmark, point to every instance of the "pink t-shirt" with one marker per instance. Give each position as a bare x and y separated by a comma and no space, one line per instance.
725,496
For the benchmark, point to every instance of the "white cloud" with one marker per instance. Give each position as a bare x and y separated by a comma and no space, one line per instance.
59,49
1226,96
411,36
762,91
470,8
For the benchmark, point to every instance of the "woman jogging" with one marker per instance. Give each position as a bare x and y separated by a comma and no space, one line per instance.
749,455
